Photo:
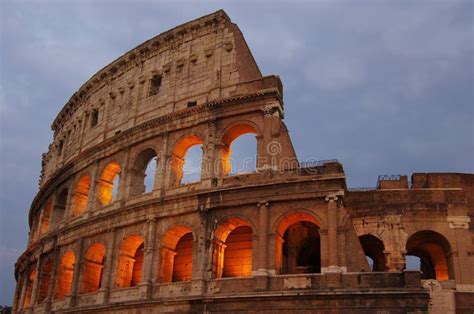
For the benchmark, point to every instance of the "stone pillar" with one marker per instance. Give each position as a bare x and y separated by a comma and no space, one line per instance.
109,264
122,188
332,243
76,273
199,272
146,282
18,291
52,280
263,238
36,283
162,166
21,293
209,157
92,190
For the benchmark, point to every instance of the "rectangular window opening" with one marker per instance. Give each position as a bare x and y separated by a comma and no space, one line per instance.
155,85
94,118
192,103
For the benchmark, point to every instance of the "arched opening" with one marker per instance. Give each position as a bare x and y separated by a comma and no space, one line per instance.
176,255
47,209
374,249
186,161
65,274
232,255
30,280
298,243
143,173
60,207
108,183
434,253
239,150
80,197
412,263
130,262
91,277
45,280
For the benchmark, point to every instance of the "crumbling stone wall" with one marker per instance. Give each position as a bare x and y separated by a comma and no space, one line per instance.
284,234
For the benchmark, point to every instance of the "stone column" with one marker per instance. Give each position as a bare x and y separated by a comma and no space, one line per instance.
92,190
34,290
332,243
199,272
209,158
162,166
76,273
146,282
52,280
122,188
263,238
109,264
19,291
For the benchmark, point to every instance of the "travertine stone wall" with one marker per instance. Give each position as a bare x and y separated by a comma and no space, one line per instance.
97,240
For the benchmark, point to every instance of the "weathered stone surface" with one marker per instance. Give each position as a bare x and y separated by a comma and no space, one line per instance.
288,237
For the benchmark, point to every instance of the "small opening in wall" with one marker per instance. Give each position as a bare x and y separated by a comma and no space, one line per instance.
155,85
94,118
192,103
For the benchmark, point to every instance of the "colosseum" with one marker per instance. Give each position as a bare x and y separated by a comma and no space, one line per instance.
290,236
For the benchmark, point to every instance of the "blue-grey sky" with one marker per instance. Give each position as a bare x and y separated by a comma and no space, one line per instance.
386,87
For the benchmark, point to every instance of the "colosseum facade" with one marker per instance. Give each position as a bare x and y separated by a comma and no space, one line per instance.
289,236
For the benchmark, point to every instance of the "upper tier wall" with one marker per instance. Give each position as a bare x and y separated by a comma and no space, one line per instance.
202,61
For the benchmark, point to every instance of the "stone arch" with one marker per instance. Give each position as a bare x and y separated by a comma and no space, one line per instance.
59,211
176,254
35,226
434,252
80,196
130,262
374,248
107,181
230,134
30,281
298,247
178,156
91,276
45,280
65,274
138,171
46,217
232,252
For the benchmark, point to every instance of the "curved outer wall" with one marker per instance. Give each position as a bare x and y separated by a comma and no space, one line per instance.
99,243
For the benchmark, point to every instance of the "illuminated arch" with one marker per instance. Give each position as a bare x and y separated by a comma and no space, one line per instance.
45,280
374,248
232,254
298,248
230,135
65,274
45,219
91,277
107,180
178,157
80,196
130,262
139,172
176,255
434,252
30,280
60,206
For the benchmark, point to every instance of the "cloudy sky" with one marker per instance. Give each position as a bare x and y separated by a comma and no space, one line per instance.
386,87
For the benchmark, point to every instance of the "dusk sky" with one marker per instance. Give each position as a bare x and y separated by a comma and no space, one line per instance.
385,87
